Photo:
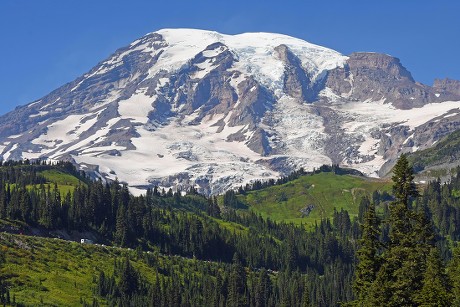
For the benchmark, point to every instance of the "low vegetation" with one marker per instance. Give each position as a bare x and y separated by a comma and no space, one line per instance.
248,247
322,193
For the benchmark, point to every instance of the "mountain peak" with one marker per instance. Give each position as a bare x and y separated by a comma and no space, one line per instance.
254,52
381,61
184,107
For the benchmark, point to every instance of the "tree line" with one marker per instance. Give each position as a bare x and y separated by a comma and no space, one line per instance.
394,254
191,226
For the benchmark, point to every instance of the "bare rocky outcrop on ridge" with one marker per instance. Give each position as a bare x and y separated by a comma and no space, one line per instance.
447,85
374,76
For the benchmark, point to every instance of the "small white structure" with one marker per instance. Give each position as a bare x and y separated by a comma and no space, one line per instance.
86,241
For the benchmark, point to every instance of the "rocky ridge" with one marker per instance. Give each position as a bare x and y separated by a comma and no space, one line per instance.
181,107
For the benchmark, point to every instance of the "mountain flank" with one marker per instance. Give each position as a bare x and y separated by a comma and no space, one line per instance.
182,107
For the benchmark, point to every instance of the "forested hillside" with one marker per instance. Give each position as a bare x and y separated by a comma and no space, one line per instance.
189,250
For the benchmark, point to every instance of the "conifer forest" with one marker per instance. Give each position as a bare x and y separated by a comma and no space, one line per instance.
180,248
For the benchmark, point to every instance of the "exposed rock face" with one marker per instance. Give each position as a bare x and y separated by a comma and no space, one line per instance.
447,85
296,82
186,107
374,76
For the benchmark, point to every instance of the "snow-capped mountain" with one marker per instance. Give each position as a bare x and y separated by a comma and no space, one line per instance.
181,107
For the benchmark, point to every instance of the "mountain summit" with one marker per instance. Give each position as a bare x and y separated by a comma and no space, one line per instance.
182,107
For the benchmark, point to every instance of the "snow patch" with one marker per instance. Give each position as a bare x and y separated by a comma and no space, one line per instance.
450,115
205,68
374,114
39,114
15,136
137,107
7,155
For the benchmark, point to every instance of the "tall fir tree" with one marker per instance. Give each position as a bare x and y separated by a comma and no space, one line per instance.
128,283
396,277
454,274
237,292
403,181
368,256
435,289
121,230
401,272
263,289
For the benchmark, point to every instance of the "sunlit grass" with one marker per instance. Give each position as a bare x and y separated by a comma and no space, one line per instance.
324,191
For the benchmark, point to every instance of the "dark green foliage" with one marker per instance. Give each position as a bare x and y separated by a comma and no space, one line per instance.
263,289
193,226
403,181
278,264
398,272
454,275
399,278
435,289
213,208
237,292
231,201
442,204
364,206
369,260
129,280
198,283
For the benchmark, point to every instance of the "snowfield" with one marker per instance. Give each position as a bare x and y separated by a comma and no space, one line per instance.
117,134
255,53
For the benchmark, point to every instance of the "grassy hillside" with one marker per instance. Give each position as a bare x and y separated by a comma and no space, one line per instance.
188,250
50,271
48,175
60,177
54,272
321,192
66,182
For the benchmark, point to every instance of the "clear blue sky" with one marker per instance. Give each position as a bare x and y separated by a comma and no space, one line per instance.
47,43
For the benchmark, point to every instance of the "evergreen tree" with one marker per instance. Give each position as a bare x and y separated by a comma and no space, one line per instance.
368,257
454,274
128,283
292,255
155,292
237,284
305,302
263,289
399,278
122,232
435,290
403,181
363,206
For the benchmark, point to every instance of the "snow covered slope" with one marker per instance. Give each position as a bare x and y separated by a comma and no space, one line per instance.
182,107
